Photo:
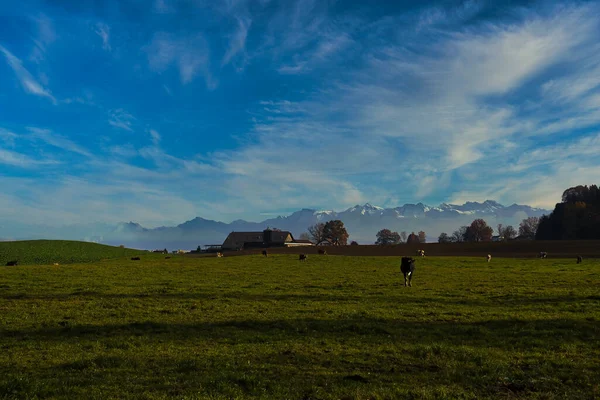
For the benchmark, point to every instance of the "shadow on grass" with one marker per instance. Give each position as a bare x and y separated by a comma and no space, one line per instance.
504,334
401,296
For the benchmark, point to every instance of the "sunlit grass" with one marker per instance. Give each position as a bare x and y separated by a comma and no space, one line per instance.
49,252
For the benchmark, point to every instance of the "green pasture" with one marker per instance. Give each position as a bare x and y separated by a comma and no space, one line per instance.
333,327
59,251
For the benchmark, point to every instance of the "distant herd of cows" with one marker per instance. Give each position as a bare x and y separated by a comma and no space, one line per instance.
407,264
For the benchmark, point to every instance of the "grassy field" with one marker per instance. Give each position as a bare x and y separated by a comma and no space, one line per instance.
59,251
334,327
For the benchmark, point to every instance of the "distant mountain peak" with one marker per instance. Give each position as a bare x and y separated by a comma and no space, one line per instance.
362,222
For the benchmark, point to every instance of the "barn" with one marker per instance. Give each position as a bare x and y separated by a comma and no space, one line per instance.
266,238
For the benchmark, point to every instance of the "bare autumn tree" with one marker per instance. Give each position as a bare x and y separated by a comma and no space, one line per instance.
509,233
403,236
479,231
304,236
422,237
316,233
506,232
459,235
387,237
335,233
528,227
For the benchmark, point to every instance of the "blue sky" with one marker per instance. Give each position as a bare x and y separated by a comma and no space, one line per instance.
160,111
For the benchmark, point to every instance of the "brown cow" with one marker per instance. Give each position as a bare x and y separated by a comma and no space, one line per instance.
323,252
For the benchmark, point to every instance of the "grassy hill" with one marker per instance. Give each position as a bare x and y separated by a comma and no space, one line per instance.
59,251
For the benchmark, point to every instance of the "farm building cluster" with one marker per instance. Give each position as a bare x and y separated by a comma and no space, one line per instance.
265,239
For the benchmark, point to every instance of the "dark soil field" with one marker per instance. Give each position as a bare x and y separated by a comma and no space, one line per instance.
333,327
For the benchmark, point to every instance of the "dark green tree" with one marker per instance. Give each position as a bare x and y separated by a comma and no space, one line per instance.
387,237
444,238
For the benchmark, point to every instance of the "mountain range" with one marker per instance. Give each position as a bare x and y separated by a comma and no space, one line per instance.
361,221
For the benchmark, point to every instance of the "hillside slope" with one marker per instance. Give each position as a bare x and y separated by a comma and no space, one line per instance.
59,251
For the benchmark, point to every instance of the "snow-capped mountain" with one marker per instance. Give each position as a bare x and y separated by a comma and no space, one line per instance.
361,221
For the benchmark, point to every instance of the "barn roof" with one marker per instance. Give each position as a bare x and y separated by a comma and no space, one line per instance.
249,237
258,237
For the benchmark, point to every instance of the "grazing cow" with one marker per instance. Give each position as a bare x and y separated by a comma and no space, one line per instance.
543,254
264,253
302,257
219,254
135,258
421,253
56,264
12,263
407,266
323,252
489,257
166,258
579,259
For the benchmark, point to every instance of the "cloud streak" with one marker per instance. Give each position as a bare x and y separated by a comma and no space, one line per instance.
103,31
27,81
121,119
189,54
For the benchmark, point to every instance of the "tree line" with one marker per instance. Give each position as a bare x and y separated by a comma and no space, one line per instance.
577,216
480,231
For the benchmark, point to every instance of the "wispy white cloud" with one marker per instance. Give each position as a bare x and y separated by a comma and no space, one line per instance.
28,82
103,30
46,35
190,55
155,137
8,137
237,41
121,119
304,35
443,117
21,160
58,141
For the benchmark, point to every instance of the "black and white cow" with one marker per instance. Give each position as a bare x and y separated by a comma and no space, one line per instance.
543,254
407,266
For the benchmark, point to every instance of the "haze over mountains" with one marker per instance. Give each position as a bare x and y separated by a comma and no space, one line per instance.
362,223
